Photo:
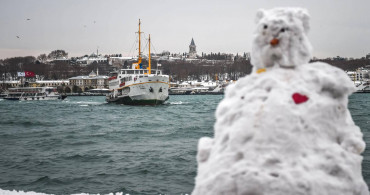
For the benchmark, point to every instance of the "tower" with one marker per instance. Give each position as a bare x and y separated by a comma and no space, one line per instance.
192,49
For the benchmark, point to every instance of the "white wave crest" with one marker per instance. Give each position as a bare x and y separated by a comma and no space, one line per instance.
177,103
89,103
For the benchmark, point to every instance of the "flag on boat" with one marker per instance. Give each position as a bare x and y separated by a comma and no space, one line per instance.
21,74
29,74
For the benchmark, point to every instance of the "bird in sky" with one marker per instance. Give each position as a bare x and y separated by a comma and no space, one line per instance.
18,37
28,19
94,21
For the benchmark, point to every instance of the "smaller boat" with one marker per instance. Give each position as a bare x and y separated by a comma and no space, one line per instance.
362,87
34,93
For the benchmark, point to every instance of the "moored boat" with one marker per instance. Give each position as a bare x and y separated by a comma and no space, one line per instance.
33,93
362,87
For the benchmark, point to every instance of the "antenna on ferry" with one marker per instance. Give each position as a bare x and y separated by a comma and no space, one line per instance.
139,60
150,67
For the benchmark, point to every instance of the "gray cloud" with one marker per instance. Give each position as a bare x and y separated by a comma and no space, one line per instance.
337,27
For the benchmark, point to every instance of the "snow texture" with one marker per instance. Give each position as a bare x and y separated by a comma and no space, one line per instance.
268,142
289,26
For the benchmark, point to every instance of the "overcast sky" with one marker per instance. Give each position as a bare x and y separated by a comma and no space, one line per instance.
338,27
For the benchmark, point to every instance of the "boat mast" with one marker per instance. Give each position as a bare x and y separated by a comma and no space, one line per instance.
139,60
150,67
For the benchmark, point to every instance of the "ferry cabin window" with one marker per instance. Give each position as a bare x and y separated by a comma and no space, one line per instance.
126,79
130,71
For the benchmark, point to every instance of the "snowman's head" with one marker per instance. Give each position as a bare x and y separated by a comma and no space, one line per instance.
280,38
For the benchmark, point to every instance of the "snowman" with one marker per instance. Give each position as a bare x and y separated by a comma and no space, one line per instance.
285,128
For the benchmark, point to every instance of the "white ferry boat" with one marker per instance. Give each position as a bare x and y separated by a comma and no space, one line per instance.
34,93
361,82
138,86
362,86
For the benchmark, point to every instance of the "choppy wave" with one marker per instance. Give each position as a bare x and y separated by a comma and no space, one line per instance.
89,103
178,103
85,145
61,147
15,192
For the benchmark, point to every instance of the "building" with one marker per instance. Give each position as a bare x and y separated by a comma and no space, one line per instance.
118,62
339,58
38,83
92,81
247,56
87,60
360,74
192,49
58,60
49,83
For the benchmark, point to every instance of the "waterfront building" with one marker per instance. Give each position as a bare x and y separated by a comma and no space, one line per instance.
359,75
37,83
49,83
94,80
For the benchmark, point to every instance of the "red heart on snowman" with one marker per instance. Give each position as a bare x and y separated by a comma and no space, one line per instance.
299,98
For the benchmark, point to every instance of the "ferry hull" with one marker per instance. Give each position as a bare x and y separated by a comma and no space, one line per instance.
129,101
14,99
144,93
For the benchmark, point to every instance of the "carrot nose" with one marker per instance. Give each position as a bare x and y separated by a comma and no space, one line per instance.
274,42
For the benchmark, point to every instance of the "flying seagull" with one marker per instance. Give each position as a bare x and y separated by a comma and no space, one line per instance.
18,37
28,19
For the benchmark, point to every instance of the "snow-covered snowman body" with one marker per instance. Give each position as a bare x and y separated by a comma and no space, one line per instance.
280,38
284,131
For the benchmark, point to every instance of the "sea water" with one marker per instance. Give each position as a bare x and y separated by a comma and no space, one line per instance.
84,145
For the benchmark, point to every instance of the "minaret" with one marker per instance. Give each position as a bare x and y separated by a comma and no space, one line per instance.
192,49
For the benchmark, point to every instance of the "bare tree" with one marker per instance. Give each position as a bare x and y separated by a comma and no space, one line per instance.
42,58
56,54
